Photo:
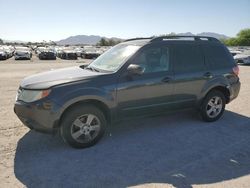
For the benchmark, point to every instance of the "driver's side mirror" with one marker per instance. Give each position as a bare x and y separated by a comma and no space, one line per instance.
134,69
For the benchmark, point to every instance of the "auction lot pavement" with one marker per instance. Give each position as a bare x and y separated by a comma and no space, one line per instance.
174,150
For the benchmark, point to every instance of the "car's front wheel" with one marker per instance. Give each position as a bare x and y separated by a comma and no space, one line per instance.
83,126
213,106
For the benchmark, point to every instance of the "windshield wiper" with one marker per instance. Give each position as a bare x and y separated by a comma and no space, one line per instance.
92,68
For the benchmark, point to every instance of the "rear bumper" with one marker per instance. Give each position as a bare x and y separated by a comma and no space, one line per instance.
38,116
234,90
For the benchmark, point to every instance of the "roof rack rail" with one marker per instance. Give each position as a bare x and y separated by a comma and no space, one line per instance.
196,38
139,38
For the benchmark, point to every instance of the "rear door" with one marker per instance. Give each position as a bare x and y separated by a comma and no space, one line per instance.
190,73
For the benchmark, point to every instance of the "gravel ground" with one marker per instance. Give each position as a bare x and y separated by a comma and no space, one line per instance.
175,150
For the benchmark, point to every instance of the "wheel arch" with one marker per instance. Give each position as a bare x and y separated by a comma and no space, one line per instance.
97,103
222,88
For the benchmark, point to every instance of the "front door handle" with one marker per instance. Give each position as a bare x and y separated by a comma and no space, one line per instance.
166,79
208,75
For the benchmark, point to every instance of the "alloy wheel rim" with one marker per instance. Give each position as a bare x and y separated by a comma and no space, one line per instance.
85,128
214,107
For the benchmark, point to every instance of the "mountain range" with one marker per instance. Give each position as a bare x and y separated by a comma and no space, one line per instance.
93,39
83,39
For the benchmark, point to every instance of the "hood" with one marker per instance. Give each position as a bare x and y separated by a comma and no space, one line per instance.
55,77
22,51
241,56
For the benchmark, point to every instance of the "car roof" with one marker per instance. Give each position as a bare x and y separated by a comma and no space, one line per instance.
177,39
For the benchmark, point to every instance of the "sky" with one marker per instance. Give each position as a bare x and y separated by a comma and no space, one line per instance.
38,20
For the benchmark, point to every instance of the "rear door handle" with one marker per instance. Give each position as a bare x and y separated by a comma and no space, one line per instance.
208,75
166,79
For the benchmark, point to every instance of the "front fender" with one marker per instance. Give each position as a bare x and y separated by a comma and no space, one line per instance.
73,96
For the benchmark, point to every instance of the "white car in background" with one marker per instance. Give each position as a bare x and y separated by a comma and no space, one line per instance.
79,51
235,52
243,58
23,53
3,54
6,52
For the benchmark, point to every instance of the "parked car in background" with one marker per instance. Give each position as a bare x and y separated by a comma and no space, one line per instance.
235,52
243,58
39,49
9,50
59,52
68,54
22,53
79,51
135,78
91,53
47,54
3,54
6,52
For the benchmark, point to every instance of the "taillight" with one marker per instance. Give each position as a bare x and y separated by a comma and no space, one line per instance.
236,70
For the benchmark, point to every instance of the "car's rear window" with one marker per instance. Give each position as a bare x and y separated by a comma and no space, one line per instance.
216,56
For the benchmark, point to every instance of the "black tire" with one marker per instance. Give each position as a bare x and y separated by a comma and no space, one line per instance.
206,108
240,62
77,112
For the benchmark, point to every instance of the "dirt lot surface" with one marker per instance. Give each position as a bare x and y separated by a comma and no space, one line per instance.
175,150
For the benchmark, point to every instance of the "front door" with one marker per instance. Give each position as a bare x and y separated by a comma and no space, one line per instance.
150,92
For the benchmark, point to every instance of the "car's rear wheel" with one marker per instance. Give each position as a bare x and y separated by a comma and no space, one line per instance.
213,106
83,126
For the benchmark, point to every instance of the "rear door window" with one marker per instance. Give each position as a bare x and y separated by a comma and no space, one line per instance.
188,58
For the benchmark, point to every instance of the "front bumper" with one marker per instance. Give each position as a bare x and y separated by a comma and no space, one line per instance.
39,116
47,57
3,57
25,56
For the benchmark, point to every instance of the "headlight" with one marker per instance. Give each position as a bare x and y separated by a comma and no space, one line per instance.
31,95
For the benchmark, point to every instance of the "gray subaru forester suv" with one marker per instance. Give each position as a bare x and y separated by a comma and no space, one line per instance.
138,77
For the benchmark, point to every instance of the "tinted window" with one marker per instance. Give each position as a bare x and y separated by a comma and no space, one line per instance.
154,59
188,58
216,56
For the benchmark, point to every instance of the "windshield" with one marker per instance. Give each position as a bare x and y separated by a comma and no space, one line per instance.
114,58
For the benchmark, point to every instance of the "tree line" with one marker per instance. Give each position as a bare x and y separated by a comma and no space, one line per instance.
108,42
241,39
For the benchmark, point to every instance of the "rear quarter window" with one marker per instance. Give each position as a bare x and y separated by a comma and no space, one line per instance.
216,56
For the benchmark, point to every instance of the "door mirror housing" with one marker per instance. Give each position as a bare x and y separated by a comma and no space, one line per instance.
134,69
